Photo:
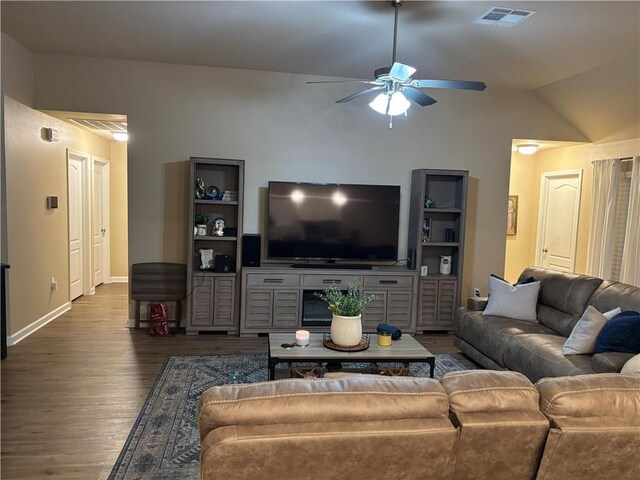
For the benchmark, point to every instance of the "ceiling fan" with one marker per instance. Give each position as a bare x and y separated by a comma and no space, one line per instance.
395,84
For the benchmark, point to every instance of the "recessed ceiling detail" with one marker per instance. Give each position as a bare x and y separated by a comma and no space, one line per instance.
102,125
503,17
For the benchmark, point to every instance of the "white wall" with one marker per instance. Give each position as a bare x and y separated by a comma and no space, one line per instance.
38,237
287,130
603,103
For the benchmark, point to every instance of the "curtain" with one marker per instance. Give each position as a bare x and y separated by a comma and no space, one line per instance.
604,192
630,272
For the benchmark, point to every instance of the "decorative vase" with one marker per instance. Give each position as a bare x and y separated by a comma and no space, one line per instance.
201,230
346,331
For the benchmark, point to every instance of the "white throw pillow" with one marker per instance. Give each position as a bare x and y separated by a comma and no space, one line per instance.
612,313
583,336
506,300
632,367
582,340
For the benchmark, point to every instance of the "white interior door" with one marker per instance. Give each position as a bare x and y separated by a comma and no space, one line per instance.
76,165
98,225
558,220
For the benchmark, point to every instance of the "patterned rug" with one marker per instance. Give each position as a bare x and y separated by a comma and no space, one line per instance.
164,443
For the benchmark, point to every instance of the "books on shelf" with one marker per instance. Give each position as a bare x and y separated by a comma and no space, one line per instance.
230,196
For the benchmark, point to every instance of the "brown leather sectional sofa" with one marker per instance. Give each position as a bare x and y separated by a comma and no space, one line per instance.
535,348
482,425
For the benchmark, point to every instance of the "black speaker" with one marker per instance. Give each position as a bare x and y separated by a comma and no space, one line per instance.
224,264
251,250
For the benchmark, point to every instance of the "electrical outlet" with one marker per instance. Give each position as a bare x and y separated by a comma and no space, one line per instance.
476,292
54,284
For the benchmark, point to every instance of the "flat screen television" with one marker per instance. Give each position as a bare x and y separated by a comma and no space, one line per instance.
313,221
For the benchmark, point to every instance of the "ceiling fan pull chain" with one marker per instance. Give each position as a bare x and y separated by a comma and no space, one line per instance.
390,122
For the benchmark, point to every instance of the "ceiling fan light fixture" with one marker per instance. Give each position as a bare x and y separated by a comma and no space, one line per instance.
120,136
394,104
527,149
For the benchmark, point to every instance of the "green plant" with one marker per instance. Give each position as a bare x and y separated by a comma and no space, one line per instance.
201,218
350,304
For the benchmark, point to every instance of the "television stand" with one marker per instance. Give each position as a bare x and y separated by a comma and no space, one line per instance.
333,266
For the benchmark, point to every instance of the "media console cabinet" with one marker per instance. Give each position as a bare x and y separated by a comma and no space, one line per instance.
278,298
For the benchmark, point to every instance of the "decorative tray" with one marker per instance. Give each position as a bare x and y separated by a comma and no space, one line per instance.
363,345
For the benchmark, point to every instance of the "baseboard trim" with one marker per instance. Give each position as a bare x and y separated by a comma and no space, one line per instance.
38,324
119,279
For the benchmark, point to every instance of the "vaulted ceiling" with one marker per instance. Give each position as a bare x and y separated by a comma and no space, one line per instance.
562,40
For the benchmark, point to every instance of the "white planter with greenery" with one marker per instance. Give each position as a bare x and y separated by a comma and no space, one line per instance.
346,331
201,220
346,324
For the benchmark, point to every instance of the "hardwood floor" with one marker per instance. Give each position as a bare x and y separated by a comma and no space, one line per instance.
72,391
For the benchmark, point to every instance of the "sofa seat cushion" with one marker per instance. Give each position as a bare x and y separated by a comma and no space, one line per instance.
488,333
609,362
540,355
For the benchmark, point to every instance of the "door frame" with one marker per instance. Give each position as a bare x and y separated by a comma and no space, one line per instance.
84,158
106,210
545,177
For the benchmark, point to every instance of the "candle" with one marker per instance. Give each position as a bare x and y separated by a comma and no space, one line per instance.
302,338
384,339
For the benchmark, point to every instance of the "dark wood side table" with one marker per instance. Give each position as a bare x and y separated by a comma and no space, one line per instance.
158,282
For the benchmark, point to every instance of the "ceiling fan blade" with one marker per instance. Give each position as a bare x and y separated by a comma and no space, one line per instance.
401,72
417,96
373,82
359,94
460,84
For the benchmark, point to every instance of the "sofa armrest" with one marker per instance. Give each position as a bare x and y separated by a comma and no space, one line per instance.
477,304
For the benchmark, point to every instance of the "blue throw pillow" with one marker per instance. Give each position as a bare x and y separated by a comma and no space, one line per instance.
620,334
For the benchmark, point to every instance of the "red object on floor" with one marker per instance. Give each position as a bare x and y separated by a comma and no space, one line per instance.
158,319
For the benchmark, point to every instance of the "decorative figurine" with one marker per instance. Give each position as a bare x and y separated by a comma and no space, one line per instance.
206,259
199,187
218,227
429,203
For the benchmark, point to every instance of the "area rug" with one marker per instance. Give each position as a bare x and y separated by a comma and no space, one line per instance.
164,443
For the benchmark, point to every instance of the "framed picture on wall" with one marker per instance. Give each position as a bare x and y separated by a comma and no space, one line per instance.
512,215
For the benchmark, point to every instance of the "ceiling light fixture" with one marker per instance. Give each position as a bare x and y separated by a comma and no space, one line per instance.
391,104
395,87
120,136
527,149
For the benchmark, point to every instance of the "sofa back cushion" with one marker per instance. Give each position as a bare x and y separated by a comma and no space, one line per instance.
595,433
563,297
610,295
347,399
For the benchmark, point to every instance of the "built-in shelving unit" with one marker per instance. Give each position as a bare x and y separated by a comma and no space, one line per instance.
436,229
213,302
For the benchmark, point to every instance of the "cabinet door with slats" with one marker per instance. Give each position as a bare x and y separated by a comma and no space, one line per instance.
428,303
202,306
224,302
259,308
447,290
286,308
399,308
376,311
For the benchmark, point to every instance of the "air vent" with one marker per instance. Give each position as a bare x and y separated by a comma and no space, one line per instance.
503,17
103,125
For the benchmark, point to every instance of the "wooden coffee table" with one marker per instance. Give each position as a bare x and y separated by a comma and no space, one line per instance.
406,350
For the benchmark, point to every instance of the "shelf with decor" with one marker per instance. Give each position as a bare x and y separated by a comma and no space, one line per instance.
216,188
436,241
230,203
